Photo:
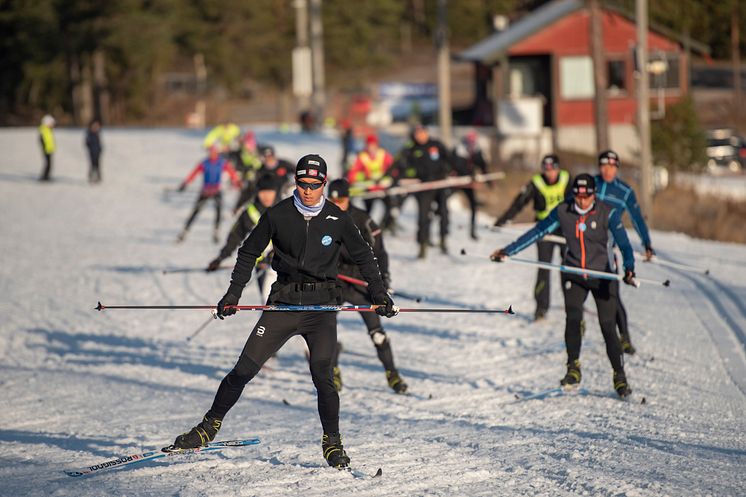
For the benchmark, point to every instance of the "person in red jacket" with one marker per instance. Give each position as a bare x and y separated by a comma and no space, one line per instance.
212,169
370,166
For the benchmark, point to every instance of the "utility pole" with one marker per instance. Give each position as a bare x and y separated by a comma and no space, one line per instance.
643,111
444,75
735,42
302,86
317,58
600,107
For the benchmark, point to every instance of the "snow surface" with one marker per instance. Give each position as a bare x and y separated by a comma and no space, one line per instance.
81,387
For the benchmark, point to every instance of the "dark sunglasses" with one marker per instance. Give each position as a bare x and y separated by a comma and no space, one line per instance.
305,186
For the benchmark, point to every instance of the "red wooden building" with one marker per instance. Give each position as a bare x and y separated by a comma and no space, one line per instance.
548,55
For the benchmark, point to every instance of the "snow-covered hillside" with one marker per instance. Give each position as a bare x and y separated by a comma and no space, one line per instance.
80,387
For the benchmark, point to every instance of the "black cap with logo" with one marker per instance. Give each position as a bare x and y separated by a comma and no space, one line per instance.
609,157
311,166
584,185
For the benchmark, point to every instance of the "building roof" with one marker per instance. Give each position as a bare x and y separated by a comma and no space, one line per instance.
493,47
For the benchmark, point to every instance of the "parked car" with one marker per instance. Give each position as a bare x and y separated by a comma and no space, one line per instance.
726,151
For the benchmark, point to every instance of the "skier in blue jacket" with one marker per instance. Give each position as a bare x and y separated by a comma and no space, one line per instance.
618,194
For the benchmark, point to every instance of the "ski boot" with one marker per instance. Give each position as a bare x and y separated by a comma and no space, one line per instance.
540,315
626,344
443,247
573,376
334,452
200,435
423,251
396,382
620,384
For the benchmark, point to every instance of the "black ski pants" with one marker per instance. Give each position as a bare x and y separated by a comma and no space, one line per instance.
94,173
216,198
425,205
604,292
46,173
541,290
373,322
319,329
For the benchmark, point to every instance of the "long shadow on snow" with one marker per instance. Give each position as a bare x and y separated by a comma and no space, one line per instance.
24,178
86,349
97,446
671,447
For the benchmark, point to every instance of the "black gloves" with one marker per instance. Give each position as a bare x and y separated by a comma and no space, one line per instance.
214,265
386,280
226,306
498,255
386,306
629,277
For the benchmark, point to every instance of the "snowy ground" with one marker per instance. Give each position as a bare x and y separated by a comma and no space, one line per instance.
81,387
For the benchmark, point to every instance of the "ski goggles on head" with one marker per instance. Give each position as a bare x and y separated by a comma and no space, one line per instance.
304,185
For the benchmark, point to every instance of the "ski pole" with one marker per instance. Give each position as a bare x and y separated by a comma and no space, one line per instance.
364,284
209,320
304,308
581,271
512,230
676,265
193,270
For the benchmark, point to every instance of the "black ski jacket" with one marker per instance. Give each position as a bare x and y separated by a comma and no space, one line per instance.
306,254
373,236
243,225
429,161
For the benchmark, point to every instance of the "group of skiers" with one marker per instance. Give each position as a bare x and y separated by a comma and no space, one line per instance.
316,248
49,147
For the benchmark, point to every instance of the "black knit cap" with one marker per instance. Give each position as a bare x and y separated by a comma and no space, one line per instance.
584,184
339,188
266,182
550,161
311,166
609,157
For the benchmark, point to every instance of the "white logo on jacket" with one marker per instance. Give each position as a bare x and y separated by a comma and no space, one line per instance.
332,218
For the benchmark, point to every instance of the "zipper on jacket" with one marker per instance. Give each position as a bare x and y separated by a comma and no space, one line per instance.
580,234
303,262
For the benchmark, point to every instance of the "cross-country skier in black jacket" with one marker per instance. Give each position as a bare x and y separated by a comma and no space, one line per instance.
430,161
307,233
339,193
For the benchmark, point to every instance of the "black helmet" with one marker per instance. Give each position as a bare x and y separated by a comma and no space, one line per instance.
266,182
609,157
339,188
550,161
584,185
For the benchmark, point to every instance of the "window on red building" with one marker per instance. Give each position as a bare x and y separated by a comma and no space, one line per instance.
616,77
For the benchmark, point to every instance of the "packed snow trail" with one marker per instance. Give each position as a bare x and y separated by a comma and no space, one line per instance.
82,386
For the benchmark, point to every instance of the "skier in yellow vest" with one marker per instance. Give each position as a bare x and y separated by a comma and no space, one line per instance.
224,135
371,165
46,136
547,190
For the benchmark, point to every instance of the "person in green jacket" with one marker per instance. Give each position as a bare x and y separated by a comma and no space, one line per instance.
46,136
